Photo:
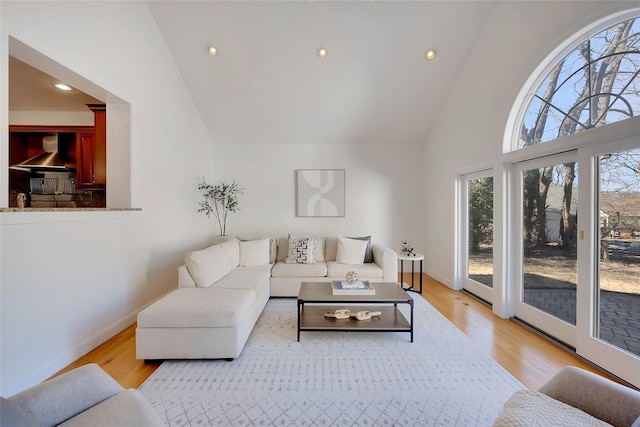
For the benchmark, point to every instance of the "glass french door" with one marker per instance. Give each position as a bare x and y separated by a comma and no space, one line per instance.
477,225
576,239
609,333
545,236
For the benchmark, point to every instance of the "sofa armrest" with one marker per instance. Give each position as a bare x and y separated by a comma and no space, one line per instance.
126,409
387,259
58,399
184,278
598,396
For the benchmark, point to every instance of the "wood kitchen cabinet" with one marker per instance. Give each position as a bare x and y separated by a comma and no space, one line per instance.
83,146
26,141
91,147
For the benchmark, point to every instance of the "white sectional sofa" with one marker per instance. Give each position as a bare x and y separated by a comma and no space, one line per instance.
223,289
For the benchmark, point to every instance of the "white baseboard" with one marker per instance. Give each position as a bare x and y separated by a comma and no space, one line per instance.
439,278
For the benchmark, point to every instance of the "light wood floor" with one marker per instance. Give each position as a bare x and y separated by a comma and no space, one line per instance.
527,356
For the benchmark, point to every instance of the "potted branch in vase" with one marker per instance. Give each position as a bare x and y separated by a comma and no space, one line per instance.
219,200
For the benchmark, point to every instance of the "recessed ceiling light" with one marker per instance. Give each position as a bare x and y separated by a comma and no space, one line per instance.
62,86
322,52
430,54
213,51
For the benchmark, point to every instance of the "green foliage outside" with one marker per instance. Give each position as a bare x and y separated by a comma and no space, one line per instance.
480,213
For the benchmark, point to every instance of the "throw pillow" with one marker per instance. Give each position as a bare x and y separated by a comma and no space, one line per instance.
207,266
302,250
273,244
532,408
350,251
368,254
254,252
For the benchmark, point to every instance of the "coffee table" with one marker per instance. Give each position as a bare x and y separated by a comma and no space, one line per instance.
316,298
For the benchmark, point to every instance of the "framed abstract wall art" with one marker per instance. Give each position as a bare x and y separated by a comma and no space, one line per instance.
320,192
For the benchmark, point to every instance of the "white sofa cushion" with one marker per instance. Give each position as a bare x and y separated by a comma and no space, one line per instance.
254,252
368,270
231,249
533,408
208,265
330,248
351,251
282,269
254,278
198,308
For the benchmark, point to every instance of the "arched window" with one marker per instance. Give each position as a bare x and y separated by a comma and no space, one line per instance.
597,83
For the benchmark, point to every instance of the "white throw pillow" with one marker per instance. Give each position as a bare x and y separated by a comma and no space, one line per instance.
302,250
273,244
254,252
368,254
207,266
351,251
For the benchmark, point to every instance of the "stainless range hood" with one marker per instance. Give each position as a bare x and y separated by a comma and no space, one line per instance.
48,161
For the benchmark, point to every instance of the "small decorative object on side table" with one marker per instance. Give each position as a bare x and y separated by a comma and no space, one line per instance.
408,254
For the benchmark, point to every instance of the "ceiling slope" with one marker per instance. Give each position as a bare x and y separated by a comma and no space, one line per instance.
267,85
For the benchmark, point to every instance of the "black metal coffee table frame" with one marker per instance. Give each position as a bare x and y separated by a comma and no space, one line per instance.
316,298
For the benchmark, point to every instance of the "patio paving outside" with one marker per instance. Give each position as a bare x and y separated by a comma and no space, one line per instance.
549,285
619,313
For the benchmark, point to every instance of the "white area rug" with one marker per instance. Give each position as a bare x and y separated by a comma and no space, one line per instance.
337,378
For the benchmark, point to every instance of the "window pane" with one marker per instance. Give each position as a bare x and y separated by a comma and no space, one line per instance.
597,83
549,239
480,231
619,282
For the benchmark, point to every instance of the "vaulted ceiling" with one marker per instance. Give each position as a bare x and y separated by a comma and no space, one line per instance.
267,85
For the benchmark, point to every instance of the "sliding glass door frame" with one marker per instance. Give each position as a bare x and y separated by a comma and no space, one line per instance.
561,330
600,352
476,288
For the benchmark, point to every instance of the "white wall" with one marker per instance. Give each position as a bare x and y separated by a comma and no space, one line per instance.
383,189
71,280
470,129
